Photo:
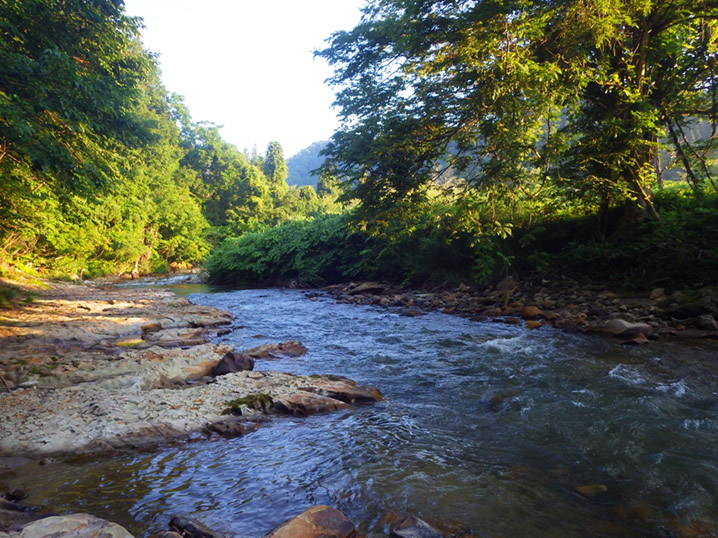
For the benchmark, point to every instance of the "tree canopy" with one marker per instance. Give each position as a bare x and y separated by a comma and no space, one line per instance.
522,97
101,169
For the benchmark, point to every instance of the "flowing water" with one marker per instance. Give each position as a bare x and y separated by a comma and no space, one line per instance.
490,425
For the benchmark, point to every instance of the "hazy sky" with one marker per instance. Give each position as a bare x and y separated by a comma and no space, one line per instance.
248,64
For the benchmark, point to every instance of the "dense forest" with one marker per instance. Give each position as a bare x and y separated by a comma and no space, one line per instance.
102,170
478,139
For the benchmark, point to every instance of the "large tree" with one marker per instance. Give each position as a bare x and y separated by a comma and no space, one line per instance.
70,89
515,94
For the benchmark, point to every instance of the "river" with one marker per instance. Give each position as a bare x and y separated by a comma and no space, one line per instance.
490,425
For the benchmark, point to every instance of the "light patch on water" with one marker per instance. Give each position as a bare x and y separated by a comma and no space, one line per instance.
627,374
678,388
515,345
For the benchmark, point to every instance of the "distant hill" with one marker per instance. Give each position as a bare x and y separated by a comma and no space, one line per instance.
301,165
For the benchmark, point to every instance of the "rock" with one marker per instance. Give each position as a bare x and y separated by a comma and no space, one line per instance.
74,526
637,340
13,520
591,490
657,294
692,309
413,527
152,326
412,313
303,403
706,322
231,428
292,348
531,312
345,390
15,495
316,522
191,528
233,362
533,324
620,327
366,287
508,284
166,534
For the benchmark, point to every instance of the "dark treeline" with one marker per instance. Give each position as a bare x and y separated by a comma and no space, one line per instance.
103,171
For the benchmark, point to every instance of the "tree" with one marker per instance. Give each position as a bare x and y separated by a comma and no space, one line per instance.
70,84
275,167
518,94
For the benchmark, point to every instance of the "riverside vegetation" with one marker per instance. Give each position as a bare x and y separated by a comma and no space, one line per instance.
570,143
560,140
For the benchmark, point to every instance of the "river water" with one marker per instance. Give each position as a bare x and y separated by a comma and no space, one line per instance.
487,424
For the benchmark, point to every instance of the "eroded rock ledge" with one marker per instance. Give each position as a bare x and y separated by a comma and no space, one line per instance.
89,369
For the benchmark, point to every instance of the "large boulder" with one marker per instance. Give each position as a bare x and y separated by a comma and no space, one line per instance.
74,526
316,522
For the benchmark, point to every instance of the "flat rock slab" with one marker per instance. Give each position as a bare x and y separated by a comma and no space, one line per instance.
71,324
93,417
74,381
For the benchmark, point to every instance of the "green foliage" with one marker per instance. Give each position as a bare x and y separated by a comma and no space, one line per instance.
312,252
677,250
10,296
521,99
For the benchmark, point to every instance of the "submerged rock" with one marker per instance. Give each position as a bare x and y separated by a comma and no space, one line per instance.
591,490
292,348
316,522
191,528
413,527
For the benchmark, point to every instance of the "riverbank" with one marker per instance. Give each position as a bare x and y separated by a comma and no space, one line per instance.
633,316
86,368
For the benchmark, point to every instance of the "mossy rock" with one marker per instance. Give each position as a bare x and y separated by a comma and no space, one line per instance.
260,402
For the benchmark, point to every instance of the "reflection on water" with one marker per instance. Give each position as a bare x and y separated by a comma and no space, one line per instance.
486,424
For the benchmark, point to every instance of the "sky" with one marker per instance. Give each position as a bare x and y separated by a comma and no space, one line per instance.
248,65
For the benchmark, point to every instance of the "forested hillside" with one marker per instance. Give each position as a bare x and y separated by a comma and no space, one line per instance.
304,165
103,171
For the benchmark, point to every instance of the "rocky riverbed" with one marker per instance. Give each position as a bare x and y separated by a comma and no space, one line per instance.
634,316
87,368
